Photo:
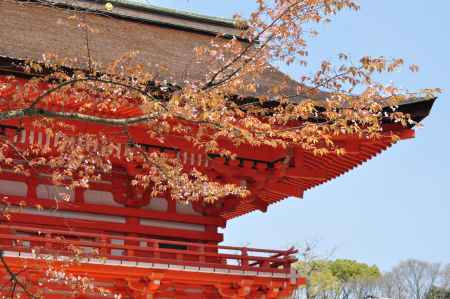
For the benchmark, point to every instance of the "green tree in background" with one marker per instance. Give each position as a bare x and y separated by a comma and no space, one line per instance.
438,293
338,279
328,278
357,280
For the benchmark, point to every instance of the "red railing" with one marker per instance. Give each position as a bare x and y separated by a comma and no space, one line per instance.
133,249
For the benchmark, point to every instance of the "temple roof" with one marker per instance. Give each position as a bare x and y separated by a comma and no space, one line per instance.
272,174
143,11
168,38
162,37
145,5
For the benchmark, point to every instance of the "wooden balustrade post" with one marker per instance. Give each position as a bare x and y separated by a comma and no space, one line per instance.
179,256
244,259
201,257
130,252
7,242
155,246
48,243
104,248
288,263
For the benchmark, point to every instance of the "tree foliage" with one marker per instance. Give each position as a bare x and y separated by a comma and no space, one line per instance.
338,278
438,293
411,279
337,99
348,279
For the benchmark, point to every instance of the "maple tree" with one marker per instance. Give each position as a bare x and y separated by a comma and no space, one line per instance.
336,100
342,99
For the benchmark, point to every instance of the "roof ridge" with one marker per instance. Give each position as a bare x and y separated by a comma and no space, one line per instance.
143,4
142,11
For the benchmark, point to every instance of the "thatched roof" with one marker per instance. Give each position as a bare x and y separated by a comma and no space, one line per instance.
163,37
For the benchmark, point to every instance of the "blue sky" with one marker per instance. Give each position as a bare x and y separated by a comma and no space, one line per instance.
396,206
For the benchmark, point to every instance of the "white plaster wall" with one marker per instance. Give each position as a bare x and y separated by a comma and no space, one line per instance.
13,188
172,224
186,209
157,204
74,215
54,192
100,198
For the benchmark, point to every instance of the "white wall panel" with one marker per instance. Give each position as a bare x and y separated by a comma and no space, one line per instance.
13,188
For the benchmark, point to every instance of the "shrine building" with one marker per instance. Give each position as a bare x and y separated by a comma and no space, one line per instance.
153,247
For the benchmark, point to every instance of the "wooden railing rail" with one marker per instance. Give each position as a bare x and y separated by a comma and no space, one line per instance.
50,241
41,231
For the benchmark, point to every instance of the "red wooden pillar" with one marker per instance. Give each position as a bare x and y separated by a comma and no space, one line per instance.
4,243
244,259
132,221
32,184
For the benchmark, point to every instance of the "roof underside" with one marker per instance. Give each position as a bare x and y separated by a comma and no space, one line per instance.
309,170
314,171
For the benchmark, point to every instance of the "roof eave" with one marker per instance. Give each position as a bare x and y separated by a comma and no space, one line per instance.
418,107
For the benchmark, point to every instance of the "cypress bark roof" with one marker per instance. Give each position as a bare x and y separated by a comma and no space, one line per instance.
145,5
162,38
167,38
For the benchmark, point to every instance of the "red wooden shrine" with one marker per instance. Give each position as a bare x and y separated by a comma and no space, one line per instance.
156,247
143,247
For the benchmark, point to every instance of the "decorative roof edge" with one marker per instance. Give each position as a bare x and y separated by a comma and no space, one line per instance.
147,13
174,12
419,107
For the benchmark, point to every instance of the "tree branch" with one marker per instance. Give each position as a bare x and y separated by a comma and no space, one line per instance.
210,83
14,277
30,112
87,79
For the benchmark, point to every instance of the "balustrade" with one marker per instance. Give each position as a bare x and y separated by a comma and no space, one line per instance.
134,249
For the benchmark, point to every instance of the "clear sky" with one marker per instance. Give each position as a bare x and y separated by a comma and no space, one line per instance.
396,206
